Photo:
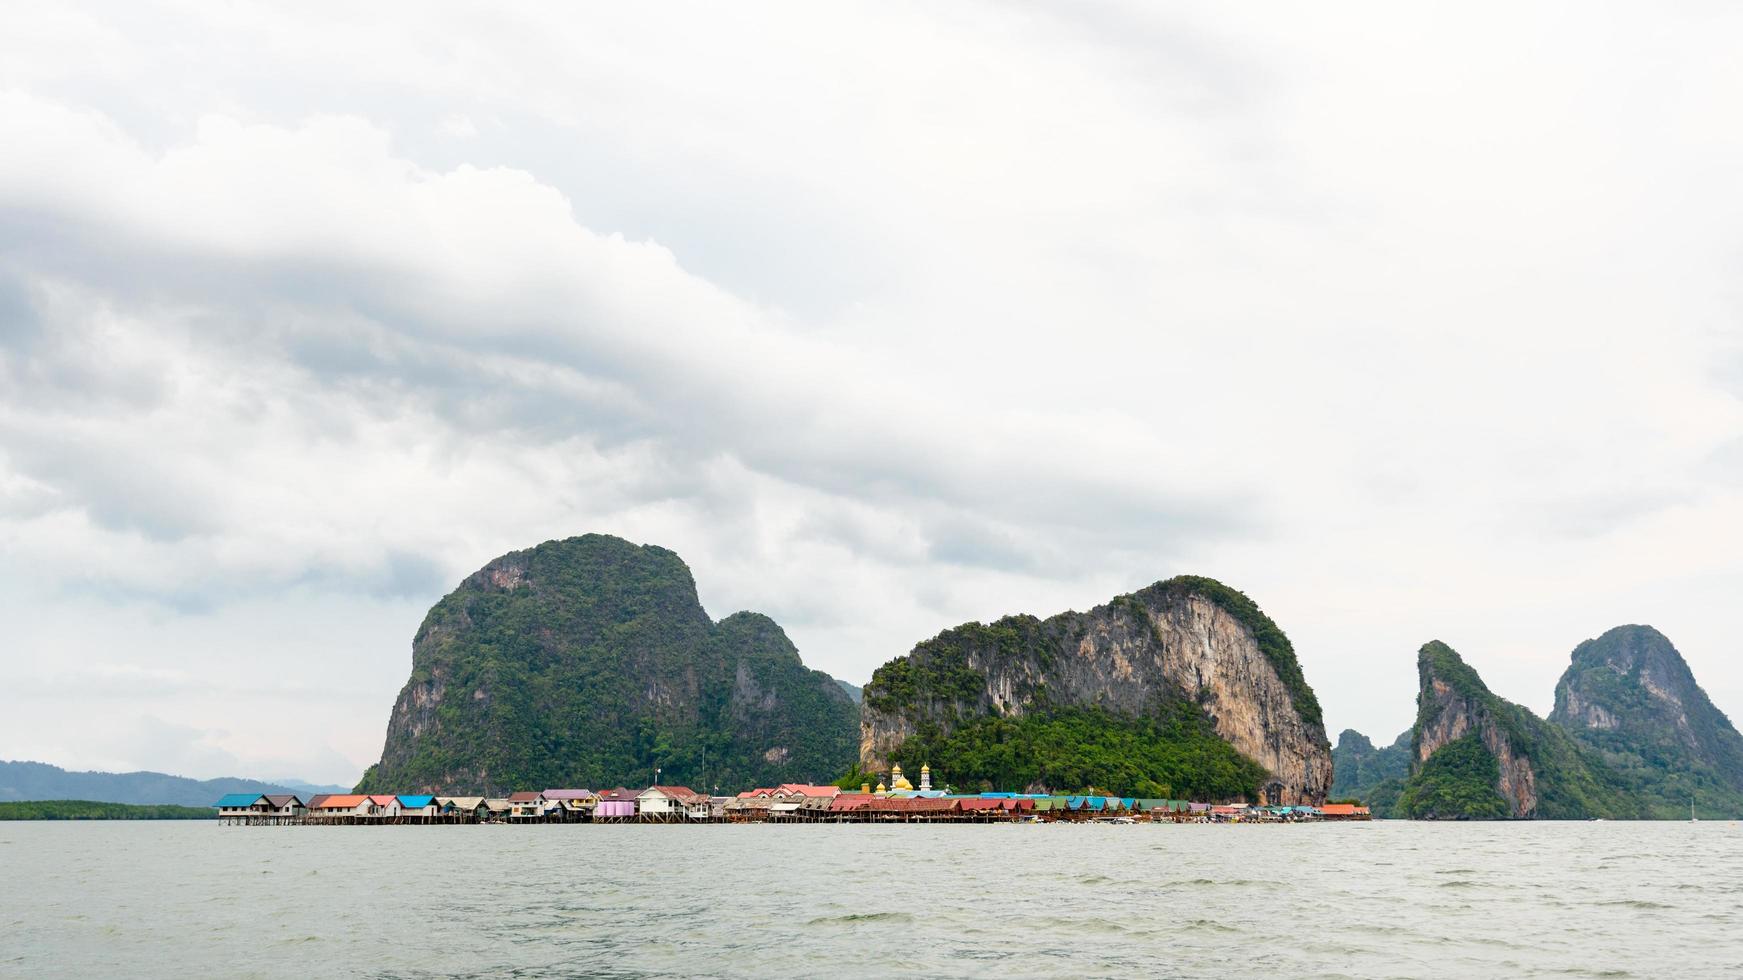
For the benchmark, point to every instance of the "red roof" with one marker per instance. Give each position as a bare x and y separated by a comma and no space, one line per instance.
382,800
526,797
850,801
1342,809
342,802
619,795
916,804
804,789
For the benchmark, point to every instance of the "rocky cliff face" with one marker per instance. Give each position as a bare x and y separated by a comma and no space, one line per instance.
1538,771
1630,692
589,662
1452,704
1187,641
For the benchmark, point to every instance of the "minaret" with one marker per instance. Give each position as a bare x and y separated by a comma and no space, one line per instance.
925,778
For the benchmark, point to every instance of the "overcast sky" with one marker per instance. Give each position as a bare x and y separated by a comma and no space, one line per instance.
1410,320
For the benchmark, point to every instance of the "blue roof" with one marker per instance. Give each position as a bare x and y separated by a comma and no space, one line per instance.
233,800
414,802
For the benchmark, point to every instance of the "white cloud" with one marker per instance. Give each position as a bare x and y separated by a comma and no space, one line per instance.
882,318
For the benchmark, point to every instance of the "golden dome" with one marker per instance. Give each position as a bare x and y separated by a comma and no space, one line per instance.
881,788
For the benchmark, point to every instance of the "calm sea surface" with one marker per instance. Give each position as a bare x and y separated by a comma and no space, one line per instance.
1383,899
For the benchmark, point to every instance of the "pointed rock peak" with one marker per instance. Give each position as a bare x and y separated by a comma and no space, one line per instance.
1437,661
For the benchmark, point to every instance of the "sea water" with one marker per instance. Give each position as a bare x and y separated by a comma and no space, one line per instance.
193,899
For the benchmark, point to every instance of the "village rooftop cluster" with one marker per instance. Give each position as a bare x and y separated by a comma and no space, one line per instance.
788,803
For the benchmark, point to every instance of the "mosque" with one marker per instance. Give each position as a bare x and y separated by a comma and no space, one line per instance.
899,785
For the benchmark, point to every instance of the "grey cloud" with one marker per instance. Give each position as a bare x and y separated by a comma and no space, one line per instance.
122,486
344,326
19,324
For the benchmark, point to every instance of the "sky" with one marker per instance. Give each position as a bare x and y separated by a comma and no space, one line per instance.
1411,321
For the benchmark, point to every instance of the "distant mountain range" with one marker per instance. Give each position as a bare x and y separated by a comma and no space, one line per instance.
41,781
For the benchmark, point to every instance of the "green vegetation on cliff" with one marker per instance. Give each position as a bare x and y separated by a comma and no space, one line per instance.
1119,698
590,662
1456,783
1173,753
1570,783
91,810
943,674
1629,697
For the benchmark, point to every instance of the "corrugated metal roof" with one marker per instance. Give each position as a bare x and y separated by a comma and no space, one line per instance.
236,801
569,794
524,797
675,792
416,802
342,802
806,789
282,800
913,804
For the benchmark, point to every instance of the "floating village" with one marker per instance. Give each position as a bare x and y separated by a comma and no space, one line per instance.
898,802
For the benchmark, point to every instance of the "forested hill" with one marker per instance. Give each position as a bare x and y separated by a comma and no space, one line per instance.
589,662
1631,698
1477,755
1632,736
1362,771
